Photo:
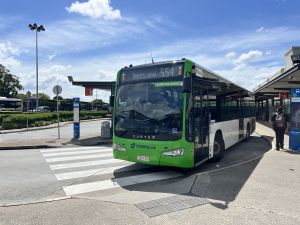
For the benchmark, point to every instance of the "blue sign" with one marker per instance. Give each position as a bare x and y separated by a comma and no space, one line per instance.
76,130
76,102
76,118
294,133
295,92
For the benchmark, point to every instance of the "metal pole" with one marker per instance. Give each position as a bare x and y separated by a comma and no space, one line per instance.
27,110
37,70
57,116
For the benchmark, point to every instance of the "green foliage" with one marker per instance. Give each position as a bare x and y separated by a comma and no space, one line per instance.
16,121
42,96
9,84
59,98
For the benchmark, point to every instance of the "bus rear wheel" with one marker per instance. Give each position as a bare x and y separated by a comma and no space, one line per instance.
219,148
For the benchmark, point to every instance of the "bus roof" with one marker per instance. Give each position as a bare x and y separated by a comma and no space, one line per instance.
9,99
233,88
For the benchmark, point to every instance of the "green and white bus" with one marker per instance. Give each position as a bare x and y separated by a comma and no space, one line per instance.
178,114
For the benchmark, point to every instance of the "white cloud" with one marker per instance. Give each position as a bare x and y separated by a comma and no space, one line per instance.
230,55
249,56
8,55
95,9
50,57
261,29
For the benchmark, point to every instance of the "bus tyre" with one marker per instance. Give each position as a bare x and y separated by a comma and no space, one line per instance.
247,133
219,148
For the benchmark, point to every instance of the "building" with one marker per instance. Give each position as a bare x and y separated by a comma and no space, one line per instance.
277,88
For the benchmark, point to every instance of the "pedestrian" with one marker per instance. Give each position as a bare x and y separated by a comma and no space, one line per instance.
279,122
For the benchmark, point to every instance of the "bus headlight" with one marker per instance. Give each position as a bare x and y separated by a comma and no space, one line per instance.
118,148
175,152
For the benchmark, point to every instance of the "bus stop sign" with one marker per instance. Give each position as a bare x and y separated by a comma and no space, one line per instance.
76,118
295,119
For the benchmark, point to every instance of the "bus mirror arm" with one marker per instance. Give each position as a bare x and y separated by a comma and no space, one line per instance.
111,100
187,85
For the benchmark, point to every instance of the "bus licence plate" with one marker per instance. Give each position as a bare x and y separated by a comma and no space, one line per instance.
143,158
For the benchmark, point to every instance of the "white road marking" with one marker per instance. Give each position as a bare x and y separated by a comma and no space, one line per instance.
61,159
119,182
77,152
83,164
102,171
52,150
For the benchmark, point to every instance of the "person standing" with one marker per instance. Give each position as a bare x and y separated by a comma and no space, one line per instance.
279,122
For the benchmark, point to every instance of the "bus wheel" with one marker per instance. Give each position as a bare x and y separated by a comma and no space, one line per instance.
219,148
247,133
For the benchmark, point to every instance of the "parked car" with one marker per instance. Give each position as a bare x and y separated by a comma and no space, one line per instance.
42,109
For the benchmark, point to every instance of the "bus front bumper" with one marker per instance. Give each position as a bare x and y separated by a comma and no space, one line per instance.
177,157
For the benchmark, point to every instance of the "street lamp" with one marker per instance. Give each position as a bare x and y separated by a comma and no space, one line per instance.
37,29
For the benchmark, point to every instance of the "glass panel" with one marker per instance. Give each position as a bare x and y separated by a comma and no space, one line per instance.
149,111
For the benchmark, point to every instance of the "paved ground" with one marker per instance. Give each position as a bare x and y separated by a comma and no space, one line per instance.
251,185
90,132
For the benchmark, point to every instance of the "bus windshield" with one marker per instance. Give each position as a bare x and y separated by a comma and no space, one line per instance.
151,111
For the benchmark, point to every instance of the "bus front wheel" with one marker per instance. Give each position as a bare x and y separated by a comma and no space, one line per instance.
219,148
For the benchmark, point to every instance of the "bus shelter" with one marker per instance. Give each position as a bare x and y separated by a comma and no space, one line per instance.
283,89
276,90
90,85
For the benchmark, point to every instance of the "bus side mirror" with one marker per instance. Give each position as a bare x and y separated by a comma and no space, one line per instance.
187,85
111,100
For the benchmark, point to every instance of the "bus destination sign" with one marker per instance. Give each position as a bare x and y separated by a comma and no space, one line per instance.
152,72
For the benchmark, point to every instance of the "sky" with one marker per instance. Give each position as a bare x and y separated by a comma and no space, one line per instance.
91,40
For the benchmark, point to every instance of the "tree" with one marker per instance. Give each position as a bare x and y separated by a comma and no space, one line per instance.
59,98
9,84
97,103
42,96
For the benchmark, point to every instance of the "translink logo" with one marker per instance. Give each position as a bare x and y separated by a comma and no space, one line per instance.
133,145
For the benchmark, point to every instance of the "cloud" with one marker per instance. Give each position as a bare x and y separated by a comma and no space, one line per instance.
50,57
237,56
230,55
8,55
249,56
95,9
49,76
261,29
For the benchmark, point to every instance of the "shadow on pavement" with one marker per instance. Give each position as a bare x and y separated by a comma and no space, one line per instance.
91,141
219,182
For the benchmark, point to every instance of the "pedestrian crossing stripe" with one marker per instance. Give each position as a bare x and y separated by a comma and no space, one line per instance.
84,164
101,171
72,158
53,150
76,153
75,163
119,182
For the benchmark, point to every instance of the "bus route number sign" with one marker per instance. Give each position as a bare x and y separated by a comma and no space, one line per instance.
152,72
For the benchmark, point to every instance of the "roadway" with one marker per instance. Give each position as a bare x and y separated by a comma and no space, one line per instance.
85,185
88,130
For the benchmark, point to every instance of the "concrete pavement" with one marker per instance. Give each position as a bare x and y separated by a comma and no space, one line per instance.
251,185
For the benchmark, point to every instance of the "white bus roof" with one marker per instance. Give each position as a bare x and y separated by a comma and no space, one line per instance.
9,99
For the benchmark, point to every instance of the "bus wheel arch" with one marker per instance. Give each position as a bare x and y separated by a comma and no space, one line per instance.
219,147
247,132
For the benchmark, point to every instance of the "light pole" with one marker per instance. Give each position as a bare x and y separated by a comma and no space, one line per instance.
37,29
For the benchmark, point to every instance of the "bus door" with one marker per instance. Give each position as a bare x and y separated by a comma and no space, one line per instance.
201,126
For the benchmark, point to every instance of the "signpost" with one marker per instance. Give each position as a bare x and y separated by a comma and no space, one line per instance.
295,119
57,90
88,91
76,118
